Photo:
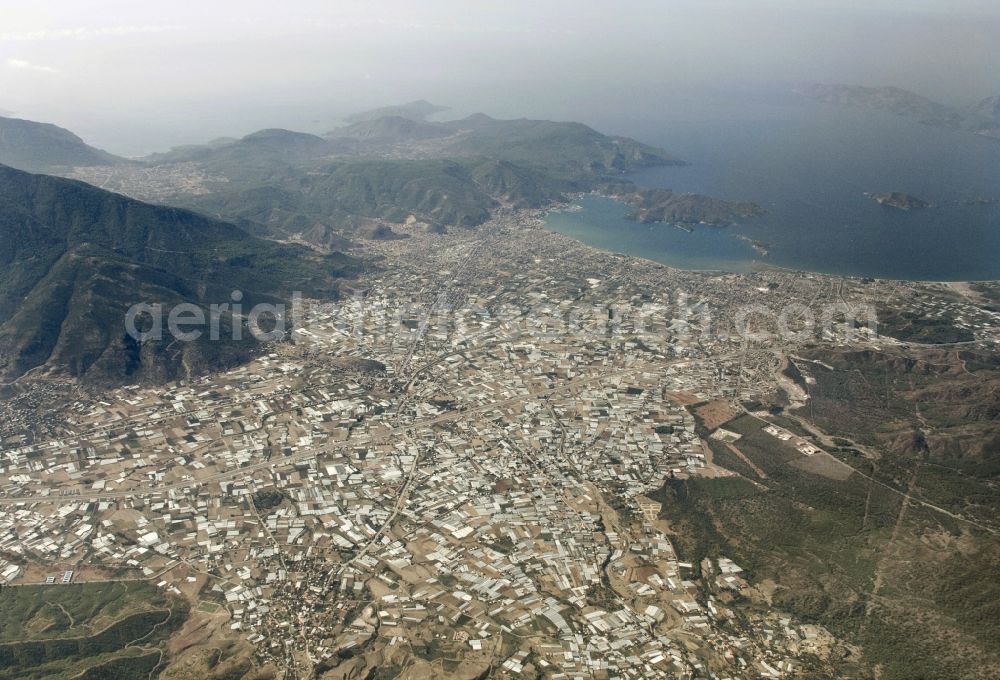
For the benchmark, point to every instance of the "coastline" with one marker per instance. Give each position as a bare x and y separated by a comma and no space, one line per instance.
753,265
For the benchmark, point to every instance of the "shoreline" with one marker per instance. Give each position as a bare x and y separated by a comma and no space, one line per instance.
755,265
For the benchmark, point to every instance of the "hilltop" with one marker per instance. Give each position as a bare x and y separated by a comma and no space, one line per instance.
28,145
420,109
566,149
264,147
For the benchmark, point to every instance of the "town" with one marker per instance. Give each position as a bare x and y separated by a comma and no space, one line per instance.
456,464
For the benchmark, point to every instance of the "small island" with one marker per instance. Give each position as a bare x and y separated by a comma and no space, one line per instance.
899,201
670,207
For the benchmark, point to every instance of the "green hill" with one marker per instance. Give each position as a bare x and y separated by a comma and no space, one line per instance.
437,191
75,258
92,630
264,148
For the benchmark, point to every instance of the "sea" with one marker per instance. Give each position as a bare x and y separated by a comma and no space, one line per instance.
809,165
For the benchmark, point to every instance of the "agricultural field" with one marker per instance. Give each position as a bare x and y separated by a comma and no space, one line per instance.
884,536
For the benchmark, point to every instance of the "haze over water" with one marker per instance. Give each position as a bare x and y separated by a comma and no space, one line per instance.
196,71
809,166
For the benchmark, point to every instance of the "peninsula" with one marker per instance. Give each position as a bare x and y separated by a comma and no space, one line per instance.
671,207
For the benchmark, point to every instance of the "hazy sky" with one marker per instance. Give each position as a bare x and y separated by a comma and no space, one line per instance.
134,77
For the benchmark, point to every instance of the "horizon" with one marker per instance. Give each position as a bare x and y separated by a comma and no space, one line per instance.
134,81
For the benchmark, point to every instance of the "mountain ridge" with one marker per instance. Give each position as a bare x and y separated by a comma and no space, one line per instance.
981,118
74,258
